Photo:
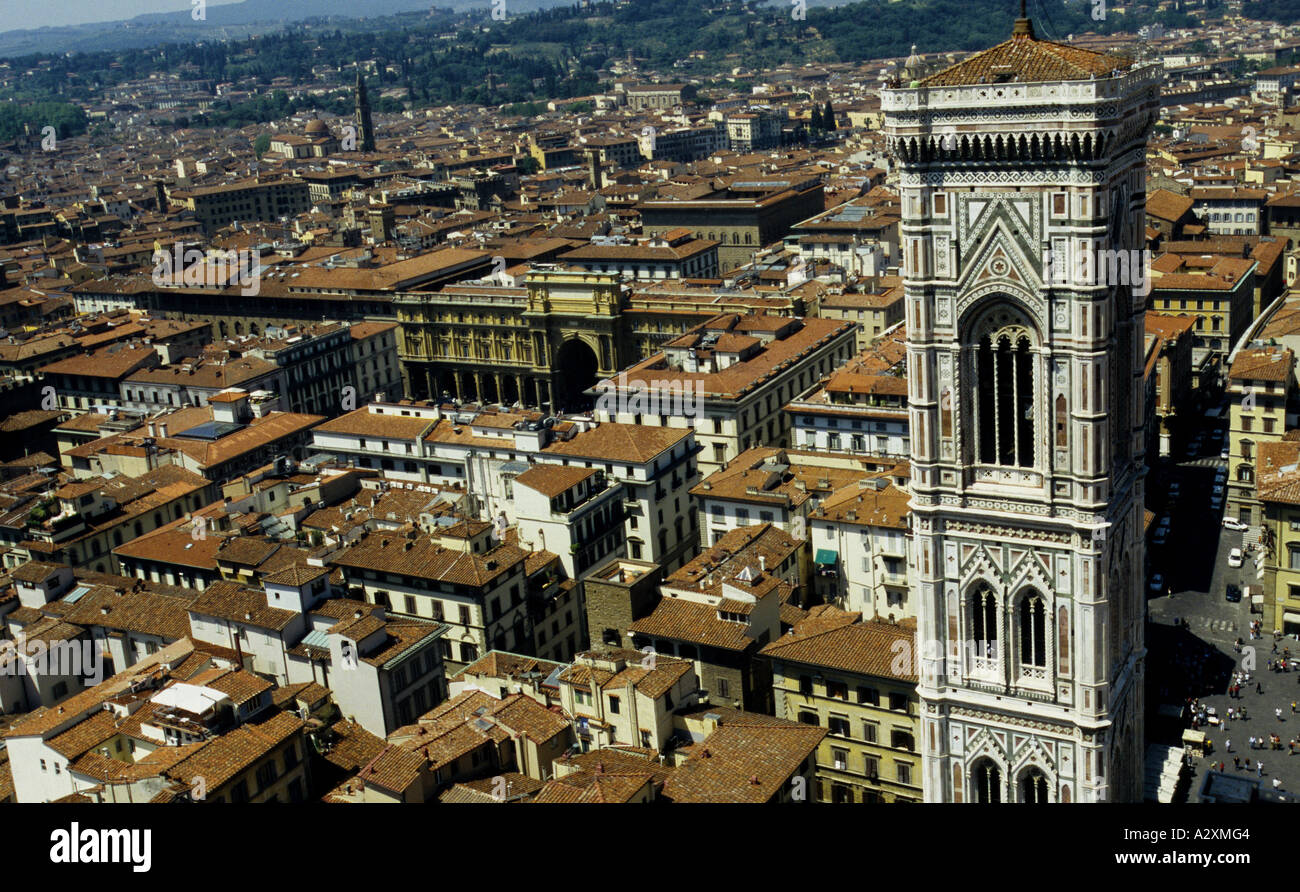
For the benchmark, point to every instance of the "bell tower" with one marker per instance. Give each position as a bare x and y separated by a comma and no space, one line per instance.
1022,181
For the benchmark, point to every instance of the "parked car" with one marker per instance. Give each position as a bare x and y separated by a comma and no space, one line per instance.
1234,558
1232,523
1158,582
1233,594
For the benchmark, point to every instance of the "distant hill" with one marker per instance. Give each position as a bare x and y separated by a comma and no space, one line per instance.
228,21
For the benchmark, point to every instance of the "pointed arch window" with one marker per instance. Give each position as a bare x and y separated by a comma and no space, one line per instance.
1004,399
986,782
1033,632
984,623
1033,786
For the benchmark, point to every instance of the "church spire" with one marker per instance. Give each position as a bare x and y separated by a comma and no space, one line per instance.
365,126
1023,27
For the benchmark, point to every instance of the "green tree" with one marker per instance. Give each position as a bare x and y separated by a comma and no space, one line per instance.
261,144
818,124
828,117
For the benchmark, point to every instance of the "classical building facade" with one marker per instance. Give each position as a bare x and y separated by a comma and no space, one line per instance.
1020,169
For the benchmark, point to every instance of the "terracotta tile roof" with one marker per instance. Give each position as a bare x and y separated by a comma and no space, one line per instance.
388,552
1165,205
232,602
144,611
501,664
867,506
552,480
1024,58
743,762
85,735
683,620
873,648
519,788
227,756
352,746
1278,475
393,768
47,718
1263,364
590,788
611,441
240,686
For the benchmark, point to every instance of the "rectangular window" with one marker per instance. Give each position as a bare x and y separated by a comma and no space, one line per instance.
837,689
904,772
869,695
901,739
613,705
839,725
870,731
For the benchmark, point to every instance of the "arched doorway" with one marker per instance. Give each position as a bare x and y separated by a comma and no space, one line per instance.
575,368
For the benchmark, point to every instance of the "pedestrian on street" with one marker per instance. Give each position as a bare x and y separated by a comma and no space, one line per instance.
1236,763
1277,783
1259,768
1274,647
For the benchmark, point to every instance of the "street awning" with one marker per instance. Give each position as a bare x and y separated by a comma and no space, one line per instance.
826,556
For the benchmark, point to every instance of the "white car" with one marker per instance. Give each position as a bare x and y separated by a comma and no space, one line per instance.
1230,523
1234,558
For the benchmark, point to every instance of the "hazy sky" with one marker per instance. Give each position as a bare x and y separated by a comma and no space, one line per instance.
16,14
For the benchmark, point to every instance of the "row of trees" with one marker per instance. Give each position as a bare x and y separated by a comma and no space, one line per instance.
66,118
556,53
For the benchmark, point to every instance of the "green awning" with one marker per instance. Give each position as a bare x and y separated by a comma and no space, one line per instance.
826,556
